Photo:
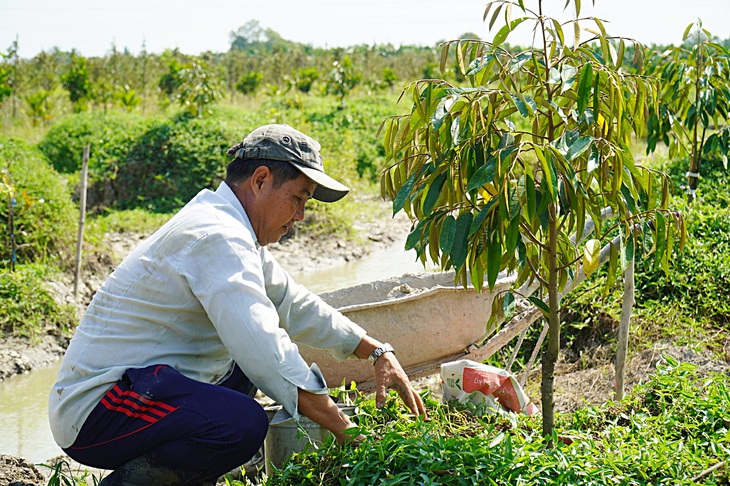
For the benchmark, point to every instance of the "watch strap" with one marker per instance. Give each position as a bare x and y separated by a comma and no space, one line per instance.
379,351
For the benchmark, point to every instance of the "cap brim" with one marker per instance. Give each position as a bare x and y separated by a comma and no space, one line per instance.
328,189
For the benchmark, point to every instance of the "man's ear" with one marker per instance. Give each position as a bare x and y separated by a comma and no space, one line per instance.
261,175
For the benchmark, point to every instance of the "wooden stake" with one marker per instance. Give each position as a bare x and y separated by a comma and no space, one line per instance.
82,218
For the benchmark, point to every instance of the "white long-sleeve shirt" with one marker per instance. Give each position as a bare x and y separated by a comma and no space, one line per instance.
198,294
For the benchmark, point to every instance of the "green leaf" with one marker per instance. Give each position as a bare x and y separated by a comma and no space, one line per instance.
494,258
501,36
442,111
405,191
591,255
483,174
481,216
612,266
512,235
554,77
567,75
628,252
415,236
446,238
540,305
461,239
584,87
578,147
549,174
687,31
530,194
433,194
521,107
508,306
478,64
520,60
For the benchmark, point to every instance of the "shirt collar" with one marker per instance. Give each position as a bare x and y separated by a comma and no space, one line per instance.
228,195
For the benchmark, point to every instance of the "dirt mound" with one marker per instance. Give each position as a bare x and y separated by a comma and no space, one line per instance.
15,471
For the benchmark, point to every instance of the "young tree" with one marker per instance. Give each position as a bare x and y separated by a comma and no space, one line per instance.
342,79
170,81
305,78
199,88
39,106
389,77
249,82
9,79
503,173
127,98
77,83
5,88
692,112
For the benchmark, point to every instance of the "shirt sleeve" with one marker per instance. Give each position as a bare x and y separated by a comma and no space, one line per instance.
305,316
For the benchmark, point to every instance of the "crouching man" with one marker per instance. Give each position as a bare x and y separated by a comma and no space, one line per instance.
158,379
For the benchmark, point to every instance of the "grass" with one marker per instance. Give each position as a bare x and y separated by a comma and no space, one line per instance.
28,308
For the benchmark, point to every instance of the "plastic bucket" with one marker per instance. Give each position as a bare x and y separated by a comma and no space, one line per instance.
286,436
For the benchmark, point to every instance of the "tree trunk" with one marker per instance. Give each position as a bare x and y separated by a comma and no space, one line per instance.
550,357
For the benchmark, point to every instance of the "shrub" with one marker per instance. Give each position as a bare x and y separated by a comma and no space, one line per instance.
44,217
28,308
110,135
172,162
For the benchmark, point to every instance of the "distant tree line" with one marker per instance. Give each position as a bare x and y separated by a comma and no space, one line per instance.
258,60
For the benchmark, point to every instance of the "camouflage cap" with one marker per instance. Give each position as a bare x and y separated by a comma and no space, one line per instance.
282,142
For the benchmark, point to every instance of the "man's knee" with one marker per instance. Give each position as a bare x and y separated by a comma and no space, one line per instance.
253,430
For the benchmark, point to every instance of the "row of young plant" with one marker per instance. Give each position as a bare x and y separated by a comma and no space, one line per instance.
672,430
52,83
56,82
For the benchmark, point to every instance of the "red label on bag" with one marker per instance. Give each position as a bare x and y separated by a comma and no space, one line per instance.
481,380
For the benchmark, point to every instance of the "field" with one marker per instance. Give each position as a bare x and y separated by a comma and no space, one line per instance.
158,135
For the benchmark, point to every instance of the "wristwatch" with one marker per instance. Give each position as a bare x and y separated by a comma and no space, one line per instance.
378,352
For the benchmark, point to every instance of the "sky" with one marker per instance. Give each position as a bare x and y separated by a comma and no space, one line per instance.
193,26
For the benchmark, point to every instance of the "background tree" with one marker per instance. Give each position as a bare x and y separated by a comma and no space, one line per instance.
249,82
9,76
199,88
342,79
389,77
5,88
504,173
77,83
39,107
691,116
127,98
305,78
170,81
252,37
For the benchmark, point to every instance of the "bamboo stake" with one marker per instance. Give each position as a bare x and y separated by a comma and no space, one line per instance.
11,229
82,218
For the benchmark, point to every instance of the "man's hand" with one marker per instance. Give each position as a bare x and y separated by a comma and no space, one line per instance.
389,374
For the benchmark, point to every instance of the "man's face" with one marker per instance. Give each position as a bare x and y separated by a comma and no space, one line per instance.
279,207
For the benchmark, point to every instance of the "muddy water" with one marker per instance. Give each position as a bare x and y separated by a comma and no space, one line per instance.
24,429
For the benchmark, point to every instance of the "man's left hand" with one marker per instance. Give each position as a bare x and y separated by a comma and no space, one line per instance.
389,374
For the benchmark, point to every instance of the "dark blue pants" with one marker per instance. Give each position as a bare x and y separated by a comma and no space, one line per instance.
198,430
